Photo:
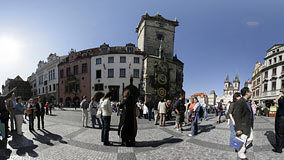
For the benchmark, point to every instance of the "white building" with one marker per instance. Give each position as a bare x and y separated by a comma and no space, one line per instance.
273,73
112,67
230,88
32,81
47,78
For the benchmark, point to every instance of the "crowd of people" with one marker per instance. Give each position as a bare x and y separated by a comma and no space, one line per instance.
13,109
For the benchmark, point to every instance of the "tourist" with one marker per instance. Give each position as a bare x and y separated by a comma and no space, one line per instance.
150,106
156,113
243,117
204,107
195,114
39,113
253,106
227,112
169,109
180,109
50,108
145,110
30,112
127,129
162,108
46,108
19,114
279,124
85,105
187,104
93,108
232,123
140,107
106,118
190,110
219,111
4,114
11,108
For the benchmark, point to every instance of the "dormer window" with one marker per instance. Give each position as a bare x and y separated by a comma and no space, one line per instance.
130,49
104,50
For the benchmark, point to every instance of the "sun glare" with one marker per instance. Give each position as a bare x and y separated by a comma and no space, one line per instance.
9,48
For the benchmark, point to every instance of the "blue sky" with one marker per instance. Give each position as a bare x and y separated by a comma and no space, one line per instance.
215,37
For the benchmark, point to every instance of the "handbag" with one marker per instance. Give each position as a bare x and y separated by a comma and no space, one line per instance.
236,143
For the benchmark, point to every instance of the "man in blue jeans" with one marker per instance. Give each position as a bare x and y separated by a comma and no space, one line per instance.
194,123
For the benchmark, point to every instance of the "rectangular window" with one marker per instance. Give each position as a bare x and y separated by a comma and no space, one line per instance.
282,69
136,60
61,73
254,83
258,81
38,91
280,58
68,72
42,89
49,88
104,50
265,87
84,68
274,71
136,73
275,60
282,84
98,74
99,61
110,59
110,73
99,87
257,93
76,70
53,74
122,72
54,88
270,61
273,88
266,74
122,59
253,94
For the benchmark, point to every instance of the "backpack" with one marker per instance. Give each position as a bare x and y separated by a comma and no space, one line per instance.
85,105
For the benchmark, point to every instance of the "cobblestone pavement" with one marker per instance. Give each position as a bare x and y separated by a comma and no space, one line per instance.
65,138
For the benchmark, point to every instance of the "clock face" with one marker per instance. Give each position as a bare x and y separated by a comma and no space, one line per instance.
162,92
162,79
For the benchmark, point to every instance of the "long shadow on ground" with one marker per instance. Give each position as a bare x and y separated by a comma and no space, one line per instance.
158,143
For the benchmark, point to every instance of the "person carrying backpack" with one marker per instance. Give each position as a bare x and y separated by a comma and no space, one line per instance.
84,105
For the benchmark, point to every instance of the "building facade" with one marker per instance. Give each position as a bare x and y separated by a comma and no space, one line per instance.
230,88
23,87
47,78
163,72
75,77
212,98
273,74
32,81
112,67
257,82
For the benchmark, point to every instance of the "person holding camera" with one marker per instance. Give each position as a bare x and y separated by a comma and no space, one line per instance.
279,124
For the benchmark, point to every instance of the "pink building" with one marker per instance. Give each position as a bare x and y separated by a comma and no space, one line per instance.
75,77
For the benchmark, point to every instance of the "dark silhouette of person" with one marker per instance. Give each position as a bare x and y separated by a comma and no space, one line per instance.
128,123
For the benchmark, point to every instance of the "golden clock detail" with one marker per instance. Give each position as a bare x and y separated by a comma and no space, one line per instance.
162,92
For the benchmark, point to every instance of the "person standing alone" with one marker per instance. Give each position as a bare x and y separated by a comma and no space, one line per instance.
11,108
279,124
40,113
243,116
84,105
162,108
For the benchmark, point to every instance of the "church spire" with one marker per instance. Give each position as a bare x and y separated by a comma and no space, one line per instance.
237,79
227,79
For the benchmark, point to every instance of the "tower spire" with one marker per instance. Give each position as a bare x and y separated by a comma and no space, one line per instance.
237,79
227,79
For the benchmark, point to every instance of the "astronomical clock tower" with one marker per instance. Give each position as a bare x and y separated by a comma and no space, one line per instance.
162,72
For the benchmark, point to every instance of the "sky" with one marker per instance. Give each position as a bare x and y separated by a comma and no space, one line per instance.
214,38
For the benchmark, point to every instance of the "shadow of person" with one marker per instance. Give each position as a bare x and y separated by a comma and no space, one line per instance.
52,136
5,153
42,139
271,138
202,128
23,146
158,143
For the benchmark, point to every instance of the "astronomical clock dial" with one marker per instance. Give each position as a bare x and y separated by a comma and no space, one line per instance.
162,79
162,92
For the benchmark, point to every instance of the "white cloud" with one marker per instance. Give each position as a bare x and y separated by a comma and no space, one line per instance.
252,23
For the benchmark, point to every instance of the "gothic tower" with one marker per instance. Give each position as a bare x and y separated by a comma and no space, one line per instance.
226,85
236,83
154,33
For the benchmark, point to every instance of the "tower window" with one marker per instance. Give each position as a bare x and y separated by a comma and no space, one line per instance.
160,37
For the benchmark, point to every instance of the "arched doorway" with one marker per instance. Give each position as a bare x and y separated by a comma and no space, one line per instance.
68,102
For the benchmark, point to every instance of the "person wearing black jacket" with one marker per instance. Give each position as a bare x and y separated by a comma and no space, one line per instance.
40,113
243,116
279,124
4,113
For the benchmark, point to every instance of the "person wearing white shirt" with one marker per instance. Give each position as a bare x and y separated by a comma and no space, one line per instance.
106,118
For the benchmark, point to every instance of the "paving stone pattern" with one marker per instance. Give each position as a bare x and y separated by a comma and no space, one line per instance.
65,138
